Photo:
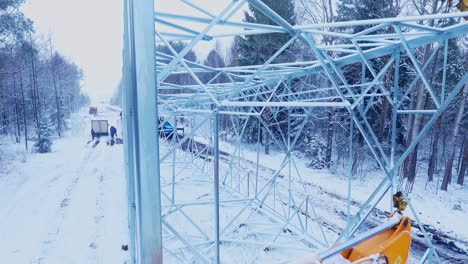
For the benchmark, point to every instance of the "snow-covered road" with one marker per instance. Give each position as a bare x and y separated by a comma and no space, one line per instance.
68,206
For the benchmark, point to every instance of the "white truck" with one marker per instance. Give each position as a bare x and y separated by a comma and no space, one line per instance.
100,128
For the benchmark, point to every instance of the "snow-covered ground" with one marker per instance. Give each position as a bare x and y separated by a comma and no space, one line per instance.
68,206
439,210
446,212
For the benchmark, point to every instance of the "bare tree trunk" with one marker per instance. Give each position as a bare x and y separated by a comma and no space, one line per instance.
266,142
415,121
414,124
35,91
268,117
460,156
54,81
434,151
17,112
24,107
453,139
461,173
383,119
384,114
4,123
328,153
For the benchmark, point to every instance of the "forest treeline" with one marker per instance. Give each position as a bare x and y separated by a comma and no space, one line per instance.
39,87
442,155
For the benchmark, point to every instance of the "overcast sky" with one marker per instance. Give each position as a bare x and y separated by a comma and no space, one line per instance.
90,33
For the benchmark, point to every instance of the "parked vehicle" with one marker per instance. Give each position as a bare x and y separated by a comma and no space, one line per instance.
167,129
93,110
164,127
100,127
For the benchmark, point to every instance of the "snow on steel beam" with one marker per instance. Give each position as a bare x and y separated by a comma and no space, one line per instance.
381,21
286,104
416,111
197,7
188,30
264,29
448,32
211,111
420,27
164,73
243,25
393,38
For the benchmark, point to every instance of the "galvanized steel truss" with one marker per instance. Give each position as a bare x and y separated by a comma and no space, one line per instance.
165,217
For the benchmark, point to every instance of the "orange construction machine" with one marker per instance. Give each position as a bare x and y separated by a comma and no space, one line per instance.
389,243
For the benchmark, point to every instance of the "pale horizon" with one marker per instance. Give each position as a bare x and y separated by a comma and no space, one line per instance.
90,33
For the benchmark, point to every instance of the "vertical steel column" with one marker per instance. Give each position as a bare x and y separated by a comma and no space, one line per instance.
350,165
128,134
258,156
394,123
216,180
140,67
289,158
306,212
175,139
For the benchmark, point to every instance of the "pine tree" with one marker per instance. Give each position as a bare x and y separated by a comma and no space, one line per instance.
45,136
178,79
32,84
348,10
366,9
256,49
216,61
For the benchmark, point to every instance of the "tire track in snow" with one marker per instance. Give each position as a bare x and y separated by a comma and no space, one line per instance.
55,227
98,222
31,208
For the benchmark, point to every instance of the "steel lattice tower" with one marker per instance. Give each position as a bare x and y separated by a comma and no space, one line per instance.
215,198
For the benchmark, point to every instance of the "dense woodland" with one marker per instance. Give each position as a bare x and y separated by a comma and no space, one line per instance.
443,152
441,157
39,87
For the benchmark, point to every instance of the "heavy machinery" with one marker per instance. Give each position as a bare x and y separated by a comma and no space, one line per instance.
463,6
388,243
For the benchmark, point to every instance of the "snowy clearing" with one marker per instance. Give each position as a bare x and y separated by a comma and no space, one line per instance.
68,206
